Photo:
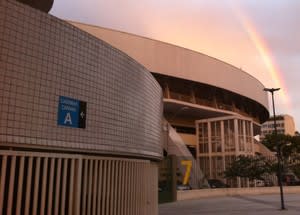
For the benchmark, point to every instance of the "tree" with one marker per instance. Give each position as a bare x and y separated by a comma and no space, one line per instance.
271,141
289,147
252,167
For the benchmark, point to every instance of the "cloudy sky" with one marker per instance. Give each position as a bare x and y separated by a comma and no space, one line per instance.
260,37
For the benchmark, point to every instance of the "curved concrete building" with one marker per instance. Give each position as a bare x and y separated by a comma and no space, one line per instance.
215,108
80,126
192,77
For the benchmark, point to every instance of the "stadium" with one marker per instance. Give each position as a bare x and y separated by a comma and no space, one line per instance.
88,113
210,107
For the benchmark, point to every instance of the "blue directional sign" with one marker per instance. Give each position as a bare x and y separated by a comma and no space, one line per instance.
71,112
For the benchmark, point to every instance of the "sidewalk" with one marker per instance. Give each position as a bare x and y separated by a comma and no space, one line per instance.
253,204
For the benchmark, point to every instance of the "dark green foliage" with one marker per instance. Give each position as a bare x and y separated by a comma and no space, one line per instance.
289,147
256,167
252,167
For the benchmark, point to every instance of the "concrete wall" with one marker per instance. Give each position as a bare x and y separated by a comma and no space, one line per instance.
43,58
210,193
103,167
189,139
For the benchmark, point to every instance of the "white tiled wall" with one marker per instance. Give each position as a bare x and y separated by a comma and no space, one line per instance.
42,58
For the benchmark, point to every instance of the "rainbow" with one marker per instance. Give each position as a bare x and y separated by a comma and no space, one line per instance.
265,54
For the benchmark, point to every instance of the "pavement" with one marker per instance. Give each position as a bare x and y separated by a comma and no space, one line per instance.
252,204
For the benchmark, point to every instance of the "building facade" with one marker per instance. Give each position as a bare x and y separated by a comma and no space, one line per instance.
220,141
284,125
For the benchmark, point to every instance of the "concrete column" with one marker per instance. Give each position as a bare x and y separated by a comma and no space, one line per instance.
193,97
167,91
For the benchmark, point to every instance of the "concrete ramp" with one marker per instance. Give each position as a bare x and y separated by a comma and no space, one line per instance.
187,164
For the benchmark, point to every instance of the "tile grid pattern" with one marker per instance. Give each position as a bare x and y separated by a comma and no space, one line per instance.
42,58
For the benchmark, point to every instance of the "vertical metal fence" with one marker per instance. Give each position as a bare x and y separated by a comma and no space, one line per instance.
51,183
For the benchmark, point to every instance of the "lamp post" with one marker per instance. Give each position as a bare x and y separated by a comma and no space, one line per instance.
278,148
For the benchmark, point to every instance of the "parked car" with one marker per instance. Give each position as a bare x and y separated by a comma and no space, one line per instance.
216,183
183,187
290,180
260,183
269,183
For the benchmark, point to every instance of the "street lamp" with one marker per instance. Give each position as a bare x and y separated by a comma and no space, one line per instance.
278,148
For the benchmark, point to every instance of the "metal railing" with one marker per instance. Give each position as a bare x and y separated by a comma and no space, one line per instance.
52,183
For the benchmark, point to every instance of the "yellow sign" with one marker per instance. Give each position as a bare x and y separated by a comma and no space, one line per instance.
187,174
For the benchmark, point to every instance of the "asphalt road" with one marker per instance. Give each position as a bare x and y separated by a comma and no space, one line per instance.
254,204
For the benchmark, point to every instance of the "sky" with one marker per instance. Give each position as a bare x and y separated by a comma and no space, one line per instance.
260,37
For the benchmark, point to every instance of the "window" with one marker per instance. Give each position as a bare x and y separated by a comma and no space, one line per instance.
229,140
203,137
241,138
249,137
216,136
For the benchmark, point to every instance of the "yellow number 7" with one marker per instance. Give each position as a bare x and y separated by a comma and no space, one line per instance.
187,174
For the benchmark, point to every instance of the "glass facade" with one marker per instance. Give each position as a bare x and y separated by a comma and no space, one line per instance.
229,135
220,141
216,136
217,169
249,136
205,165
203,138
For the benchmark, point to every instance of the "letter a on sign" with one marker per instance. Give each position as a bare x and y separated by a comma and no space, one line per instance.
68,119
71,112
